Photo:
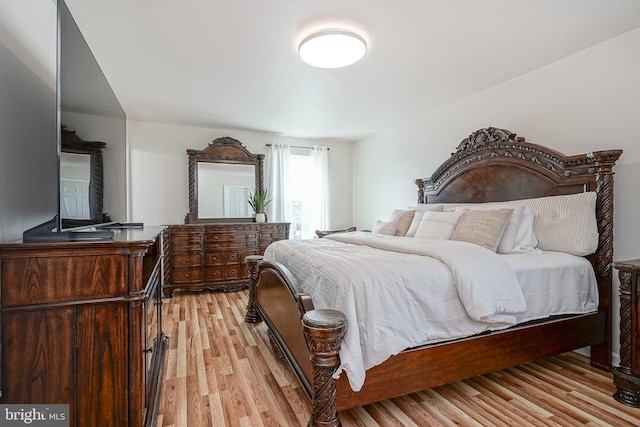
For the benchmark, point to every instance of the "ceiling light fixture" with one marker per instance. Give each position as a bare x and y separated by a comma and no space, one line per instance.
332,48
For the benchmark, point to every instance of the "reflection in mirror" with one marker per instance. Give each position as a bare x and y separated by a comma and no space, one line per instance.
75,176
81,181
220,179
223,190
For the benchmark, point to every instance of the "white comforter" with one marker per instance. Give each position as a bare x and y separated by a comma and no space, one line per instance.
401,292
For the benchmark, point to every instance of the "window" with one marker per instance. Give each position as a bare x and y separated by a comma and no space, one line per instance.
297,179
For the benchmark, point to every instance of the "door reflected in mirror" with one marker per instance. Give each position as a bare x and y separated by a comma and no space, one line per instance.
223,190
75,176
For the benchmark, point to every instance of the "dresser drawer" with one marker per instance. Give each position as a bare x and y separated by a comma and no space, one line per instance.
186,260
241,244
186,275
44,280
232,258
214,258
212,274
186,246
185,237
272,237
228,237
231,229
234,272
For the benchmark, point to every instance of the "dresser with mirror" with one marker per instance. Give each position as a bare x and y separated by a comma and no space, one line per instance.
208,251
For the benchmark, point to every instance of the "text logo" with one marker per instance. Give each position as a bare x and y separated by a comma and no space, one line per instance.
34,415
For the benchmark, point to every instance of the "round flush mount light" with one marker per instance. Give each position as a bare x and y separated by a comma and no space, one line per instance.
334,48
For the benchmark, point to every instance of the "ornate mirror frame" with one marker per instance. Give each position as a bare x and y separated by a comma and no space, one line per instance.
225,150
72,143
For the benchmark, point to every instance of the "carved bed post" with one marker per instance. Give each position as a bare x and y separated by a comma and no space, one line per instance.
253,263
604,162
627,385
323,330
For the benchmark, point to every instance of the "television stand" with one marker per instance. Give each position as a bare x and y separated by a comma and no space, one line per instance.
123,225
49,232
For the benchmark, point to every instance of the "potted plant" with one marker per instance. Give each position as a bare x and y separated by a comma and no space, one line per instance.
258,202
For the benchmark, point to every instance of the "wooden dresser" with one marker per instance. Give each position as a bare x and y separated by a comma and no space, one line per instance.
626,377
81,324
211,256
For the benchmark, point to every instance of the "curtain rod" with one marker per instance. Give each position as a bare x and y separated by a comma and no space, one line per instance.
298,146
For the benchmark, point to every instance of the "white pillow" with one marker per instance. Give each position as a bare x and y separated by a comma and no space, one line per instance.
382,227
518,235
417,218
437,225
526,240
566,223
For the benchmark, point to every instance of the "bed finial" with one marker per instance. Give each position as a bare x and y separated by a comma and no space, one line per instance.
323,330
486,136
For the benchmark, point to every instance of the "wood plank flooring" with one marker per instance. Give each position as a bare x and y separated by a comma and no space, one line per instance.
221,371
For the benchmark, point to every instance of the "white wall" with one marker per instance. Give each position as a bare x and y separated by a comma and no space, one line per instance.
586,102
159,170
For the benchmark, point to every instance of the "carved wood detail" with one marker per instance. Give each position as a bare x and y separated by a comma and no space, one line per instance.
625,320
324,330
221,150
253,262
274,344
626,377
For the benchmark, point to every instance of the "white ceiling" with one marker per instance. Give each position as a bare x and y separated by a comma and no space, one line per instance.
233,63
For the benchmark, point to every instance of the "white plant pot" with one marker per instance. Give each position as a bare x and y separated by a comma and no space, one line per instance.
260,217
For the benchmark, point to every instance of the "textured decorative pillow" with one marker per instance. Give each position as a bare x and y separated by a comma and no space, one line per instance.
566,223
513,228
437,225
419,213
382,227
403,219
482,227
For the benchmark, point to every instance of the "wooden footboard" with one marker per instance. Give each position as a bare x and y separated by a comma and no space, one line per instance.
276,298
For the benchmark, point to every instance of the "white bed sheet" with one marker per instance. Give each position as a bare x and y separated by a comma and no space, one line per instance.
381,324
554,283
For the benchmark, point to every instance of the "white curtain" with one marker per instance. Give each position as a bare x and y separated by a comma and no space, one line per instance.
299,187
319,201
277,173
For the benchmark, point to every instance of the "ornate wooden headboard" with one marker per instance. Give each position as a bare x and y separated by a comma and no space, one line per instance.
493,165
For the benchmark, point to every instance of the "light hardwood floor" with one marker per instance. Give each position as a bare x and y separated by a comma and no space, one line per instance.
221,371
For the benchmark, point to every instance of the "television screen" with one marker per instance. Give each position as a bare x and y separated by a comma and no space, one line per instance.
88,107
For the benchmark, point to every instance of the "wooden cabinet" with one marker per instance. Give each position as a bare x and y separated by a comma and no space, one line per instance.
626,377
211,256
81,324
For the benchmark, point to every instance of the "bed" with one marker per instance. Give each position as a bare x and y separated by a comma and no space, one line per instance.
501,172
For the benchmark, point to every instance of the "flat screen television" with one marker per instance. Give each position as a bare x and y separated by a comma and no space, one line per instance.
88,109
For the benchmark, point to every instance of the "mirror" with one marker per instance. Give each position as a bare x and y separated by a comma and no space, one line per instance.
81,181
220,178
